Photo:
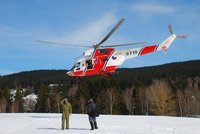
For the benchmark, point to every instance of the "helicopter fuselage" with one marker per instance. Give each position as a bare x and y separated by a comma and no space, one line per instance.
105,61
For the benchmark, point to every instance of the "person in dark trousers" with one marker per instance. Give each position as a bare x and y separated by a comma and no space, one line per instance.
67,110
92,113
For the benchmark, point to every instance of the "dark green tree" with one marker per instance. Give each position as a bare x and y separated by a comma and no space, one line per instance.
19,100
42,99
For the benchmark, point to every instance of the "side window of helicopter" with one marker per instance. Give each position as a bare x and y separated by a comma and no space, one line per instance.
78,66
89,64
104,51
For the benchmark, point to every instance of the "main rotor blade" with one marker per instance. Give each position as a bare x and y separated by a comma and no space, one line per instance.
78,57
128,44
63,44
111,32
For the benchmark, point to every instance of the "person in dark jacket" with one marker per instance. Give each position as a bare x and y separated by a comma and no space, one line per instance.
67,110
92,113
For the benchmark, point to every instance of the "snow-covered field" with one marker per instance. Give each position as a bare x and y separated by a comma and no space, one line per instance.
37,123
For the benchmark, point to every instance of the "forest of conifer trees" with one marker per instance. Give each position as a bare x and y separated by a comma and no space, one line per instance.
171,89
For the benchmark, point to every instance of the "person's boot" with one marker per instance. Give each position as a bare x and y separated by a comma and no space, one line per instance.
92,125
95,125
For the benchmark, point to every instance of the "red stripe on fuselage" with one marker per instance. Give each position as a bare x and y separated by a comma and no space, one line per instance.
110,69
148,49
78,73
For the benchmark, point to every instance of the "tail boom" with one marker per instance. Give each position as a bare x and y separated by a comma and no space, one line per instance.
119,56
166,43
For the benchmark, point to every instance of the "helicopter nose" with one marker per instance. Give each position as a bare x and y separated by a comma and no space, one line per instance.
69,73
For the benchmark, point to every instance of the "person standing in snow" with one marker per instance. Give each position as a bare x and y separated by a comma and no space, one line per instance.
92,113
67,110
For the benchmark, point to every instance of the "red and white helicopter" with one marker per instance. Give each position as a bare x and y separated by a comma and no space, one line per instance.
104,60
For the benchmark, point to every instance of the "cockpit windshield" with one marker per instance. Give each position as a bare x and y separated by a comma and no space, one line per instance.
79,65
72,68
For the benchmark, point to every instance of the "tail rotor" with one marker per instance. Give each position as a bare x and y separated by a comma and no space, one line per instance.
172,33
170,29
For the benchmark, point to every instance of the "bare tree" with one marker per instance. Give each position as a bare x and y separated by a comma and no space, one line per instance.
146,101
192,95
3,104
82,102
48,104
107,99
161,99
73,90
129,100
57,101
180,99
142,99
13,107
111,95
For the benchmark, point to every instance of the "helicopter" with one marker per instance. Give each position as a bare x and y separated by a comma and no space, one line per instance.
104,59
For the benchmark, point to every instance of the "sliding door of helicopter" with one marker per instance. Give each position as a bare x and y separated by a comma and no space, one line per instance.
89,67
79,67
99,60
88,64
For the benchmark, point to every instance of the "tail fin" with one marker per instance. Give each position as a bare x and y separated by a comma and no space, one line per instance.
166,43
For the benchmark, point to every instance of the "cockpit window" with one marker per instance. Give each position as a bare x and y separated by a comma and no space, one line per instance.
72,67
78,65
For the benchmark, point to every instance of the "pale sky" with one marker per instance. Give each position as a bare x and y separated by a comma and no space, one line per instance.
86,23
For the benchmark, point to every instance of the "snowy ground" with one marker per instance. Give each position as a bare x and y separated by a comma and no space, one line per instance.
37,123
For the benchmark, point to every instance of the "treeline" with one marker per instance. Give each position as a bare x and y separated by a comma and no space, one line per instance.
171,89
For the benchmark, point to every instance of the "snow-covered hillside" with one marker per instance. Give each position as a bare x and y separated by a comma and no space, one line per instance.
37,123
